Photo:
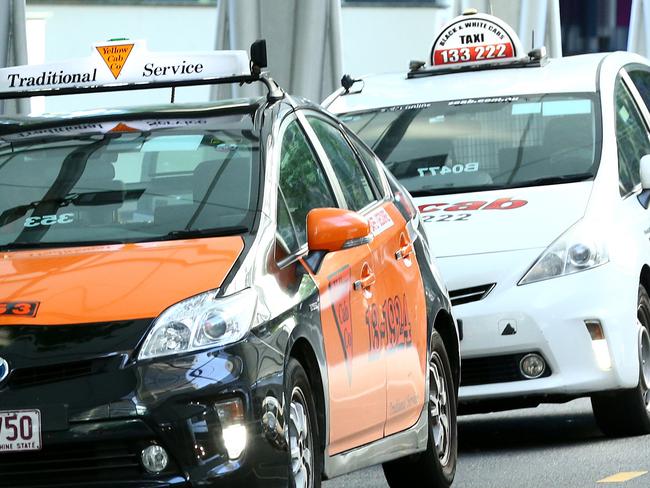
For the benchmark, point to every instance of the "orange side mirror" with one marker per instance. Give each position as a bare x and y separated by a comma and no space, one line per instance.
333,229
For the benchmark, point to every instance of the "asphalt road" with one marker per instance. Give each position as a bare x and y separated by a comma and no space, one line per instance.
552,446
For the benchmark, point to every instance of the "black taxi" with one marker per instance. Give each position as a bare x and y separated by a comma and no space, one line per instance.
231,293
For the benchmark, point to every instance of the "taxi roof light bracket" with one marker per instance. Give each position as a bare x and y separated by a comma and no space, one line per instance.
258,57
535,59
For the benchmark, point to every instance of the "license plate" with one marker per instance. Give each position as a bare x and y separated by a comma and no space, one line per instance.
20,430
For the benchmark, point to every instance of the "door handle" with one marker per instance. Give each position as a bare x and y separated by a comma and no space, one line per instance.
367,279
406,248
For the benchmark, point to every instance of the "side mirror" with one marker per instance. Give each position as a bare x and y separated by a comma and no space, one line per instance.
333,229
645,172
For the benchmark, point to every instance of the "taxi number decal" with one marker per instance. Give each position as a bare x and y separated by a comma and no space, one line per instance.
473,53
66,218
446,218
19,309
445,170
339,288
389,325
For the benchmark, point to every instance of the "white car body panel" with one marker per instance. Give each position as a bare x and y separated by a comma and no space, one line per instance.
500,246
557,206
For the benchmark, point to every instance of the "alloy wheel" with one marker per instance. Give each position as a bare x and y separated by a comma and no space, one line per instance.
439,408
301,441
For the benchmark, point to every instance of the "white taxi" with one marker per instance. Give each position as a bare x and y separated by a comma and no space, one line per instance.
533,179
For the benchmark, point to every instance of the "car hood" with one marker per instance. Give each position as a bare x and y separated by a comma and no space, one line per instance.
112,283
501,220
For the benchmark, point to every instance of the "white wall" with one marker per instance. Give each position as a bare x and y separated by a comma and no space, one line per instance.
70,31
382,40
375,40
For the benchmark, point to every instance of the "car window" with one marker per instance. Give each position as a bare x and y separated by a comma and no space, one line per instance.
286,229
631,137
641,81
370,162
302,183
128,184
485,143
351,176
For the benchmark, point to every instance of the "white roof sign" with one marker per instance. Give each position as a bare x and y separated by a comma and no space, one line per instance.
124,62
475,38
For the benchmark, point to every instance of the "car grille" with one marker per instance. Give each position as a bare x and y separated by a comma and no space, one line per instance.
49,374
494,369
70,465
472,294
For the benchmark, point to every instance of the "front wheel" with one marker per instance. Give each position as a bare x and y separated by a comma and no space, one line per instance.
304,452
627,413
435,467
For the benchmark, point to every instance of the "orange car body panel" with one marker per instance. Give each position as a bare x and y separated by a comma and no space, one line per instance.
112,283
357,384
402,310
375,338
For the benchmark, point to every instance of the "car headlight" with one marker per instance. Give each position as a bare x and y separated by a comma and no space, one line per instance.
579,248
200,322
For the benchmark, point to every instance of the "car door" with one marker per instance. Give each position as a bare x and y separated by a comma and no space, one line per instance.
633,142
396,320
355,384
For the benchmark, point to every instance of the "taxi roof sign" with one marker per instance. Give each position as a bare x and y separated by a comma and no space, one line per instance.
127,65
474,38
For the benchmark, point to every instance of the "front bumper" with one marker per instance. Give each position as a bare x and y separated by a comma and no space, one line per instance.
549,318
95,425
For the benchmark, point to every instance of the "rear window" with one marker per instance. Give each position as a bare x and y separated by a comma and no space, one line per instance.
487,143
128,181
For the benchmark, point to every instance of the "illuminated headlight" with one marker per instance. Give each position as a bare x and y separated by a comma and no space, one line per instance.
200,322
579,248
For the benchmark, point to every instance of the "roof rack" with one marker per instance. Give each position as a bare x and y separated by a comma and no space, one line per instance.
123,65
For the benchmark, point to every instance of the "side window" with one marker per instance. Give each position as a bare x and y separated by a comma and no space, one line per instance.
286,229
370,161
353,180
302,184
641,80
632,139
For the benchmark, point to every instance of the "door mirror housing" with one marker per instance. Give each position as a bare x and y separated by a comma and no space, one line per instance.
334,229
645,172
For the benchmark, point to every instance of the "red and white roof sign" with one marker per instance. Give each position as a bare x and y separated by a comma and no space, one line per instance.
475,38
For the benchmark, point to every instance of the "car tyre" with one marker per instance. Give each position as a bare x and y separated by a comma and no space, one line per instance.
305,457
627,413
435,467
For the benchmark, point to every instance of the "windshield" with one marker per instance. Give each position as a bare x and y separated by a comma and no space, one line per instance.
132,181
489,143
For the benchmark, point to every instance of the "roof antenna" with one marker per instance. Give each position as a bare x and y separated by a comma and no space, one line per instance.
532,40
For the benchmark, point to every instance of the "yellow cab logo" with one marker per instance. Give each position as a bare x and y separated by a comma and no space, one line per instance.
115,56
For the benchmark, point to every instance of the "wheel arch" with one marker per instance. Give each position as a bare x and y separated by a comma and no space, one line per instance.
644,277
303,352
445,326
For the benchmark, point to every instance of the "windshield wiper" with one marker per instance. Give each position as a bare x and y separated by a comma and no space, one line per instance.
448,190
21,246
548,180
554,180
214,232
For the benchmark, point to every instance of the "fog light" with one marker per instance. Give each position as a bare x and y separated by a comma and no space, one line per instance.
234,438
154,459
532,366
233,430
599,344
